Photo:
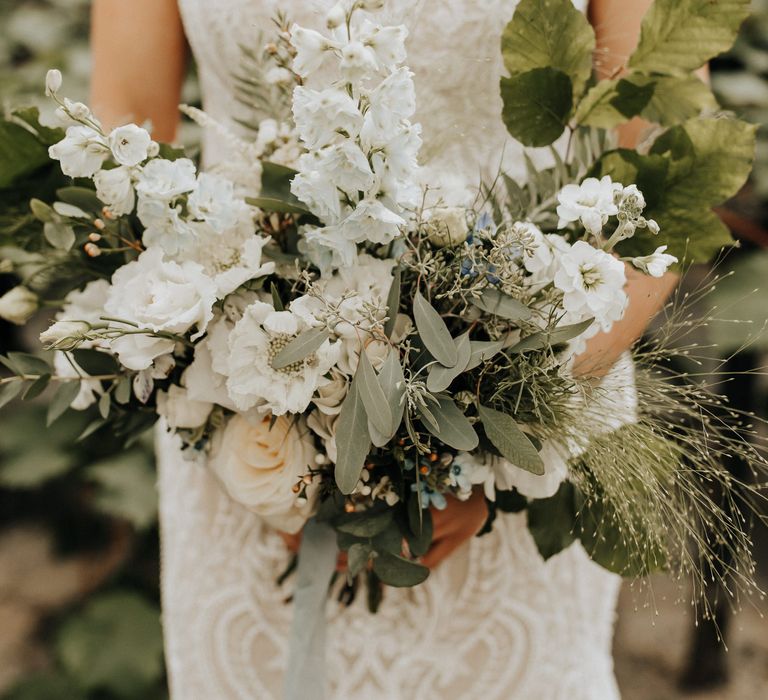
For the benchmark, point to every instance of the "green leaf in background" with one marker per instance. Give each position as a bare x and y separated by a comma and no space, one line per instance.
31,117
455,430
420,528
613,102
483,350
433,331
398,571
551,521
679,36
549,34
440,377
95,362
60,402
34,463
115,643
352,440
46,686
59,235
511,442
537,105
126,487
367,524
302,346
81,197
21,153
37,387
25,363
10,391
676,99
375,401
495,302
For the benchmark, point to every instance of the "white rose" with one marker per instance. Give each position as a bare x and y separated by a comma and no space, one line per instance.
214,202
158,295
259,464
18,305
655,264
179,410
130,144
447,226
115,188
81,152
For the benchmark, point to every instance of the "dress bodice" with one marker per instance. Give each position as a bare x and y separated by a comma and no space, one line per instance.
453,50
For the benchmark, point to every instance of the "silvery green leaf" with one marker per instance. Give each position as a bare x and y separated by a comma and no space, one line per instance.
351,440
80,197
277,302
398,571
357,558
495,302
365,524
440,377
69,210
393,303
302,346
392,383
62,400
453,427
105,404
482,351
511,442
433,331
374,399
59,235
429,420
543,339
41,211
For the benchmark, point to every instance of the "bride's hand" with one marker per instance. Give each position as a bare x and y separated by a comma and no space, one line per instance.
458,522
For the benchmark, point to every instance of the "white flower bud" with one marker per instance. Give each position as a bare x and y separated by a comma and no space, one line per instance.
18,305
76,110
64,335
53,82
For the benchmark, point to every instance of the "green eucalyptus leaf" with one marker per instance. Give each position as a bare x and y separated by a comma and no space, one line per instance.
61,236
365,524
420,528
433,331
440,377
454,428
29,364
549,34
495,302
398,571
511,442
389,540
62,400
557,336
95,362
375,401
393,302
276,192
8,392
277,302
105,405
41,211
301,347
537,105
37,387
392,382
123,390
357,558
81,197
679,36
21,153
352,440
483,350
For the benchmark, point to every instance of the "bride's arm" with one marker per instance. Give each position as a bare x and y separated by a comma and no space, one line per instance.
139,53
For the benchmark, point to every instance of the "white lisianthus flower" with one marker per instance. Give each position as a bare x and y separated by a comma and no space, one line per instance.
129,144
447,226
655,264
159,296
592,282
179,410
213,201
392,101
259,463
320,115
255,341
18,305
388,43
81,153
357,61
311,49
591,203
115,188
164,227
316,190
167,179
53,81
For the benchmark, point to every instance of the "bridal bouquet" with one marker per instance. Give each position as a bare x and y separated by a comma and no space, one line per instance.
348,346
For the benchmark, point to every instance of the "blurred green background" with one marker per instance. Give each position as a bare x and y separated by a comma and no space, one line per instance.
79,559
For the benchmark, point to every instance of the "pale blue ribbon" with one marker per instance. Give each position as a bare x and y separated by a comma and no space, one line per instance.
305,673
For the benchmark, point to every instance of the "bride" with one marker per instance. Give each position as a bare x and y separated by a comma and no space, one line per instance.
493,621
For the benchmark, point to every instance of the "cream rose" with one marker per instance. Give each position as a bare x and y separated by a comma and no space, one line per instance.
259,467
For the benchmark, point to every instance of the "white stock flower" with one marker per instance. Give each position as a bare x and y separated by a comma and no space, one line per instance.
159,296
543,259
81,153
321,114
592,282
591,203
206,377
130,144
655,264
165,179
259,463
18,304
115,188
311,49
255,341
164,227
179,410
213,201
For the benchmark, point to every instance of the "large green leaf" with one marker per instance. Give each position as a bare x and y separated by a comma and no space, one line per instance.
21,153
453,428
114,644
374,399
440,377
678,36
392,383
537,105
551,521
613,102
33,465
352,440
676,99
549,34
397,571
511,442
276,192
433,331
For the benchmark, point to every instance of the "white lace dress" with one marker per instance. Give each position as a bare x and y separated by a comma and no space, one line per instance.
494,621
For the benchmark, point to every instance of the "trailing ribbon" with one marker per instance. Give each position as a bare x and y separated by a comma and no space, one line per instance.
305,673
